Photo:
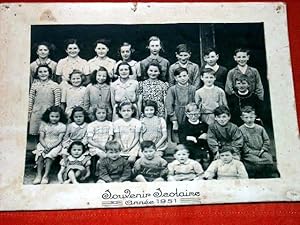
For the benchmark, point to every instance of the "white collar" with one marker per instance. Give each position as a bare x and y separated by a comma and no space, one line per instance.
214,68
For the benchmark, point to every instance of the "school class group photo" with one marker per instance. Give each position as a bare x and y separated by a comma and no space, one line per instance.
152,119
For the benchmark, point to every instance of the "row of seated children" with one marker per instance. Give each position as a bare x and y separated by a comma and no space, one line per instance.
72,62
250,142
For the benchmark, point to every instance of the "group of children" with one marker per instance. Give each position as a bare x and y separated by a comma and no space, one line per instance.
124,115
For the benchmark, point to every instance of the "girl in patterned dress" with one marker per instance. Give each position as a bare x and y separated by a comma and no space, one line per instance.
76,166
153,89
98,92
154,128
99,132
52,131
43,94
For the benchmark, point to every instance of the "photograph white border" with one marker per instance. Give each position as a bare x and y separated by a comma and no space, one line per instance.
15,23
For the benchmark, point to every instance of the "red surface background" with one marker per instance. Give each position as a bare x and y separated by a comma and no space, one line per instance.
262,213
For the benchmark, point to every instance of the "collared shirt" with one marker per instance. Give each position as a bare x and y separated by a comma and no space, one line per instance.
193,71
107,63
125,90
76,133
183,171
164,63
255,84
66,66
72,96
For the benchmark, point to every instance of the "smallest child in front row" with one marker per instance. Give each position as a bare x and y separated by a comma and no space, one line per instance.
114,167
226,167
76,166
255,152
150,167
183,168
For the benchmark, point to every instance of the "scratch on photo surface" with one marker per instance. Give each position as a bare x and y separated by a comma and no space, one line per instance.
47,15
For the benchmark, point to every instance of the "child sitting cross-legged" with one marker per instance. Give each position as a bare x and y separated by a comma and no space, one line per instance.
150,167
226,167
183,168
113,168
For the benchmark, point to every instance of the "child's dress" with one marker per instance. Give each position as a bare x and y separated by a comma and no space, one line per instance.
151,169
127,131
155,90
177,98
99,132
42,95
164,63
226,171
97,94
189,170
209,98
51,132
72,96
230,135
71,163
193,71
152,130
107,63
74,133
35,64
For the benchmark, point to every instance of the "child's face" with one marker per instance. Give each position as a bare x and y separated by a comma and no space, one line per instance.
149,111
211,59
182,155
43,73
125,52
183,57
242,86
76,79
101,77
222,119
149,153
226,157
124,71
100,114
182,78
101,50
76,151
248,118
126,111
208,79
241,58
193,115
153,72
113,154
154,47
42,51
72,50
78,117
54,117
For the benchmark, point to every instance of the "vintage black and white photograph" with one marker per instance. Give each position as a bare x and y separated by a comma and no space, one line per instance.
151,112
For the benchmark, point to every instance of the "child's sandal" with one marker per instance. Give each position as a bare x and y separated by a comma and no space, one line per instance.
45,180
37,180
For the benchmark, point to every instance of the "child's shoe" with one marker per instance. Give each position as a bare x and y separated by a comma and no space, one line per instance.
45,180
37,180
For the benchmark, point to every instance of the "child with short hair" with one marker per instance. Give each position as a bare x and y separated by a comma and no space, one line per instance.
126,50
226,167
52,131
76,166
183,168
154,128
178,96
101,47
153,89
243,97
155,46
193,134
72,62
99,132
127,130
183,54
209,97
211,57
222,132
73,94
242,56
113,168
150,167
98,91
123,89
43,51
255,152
